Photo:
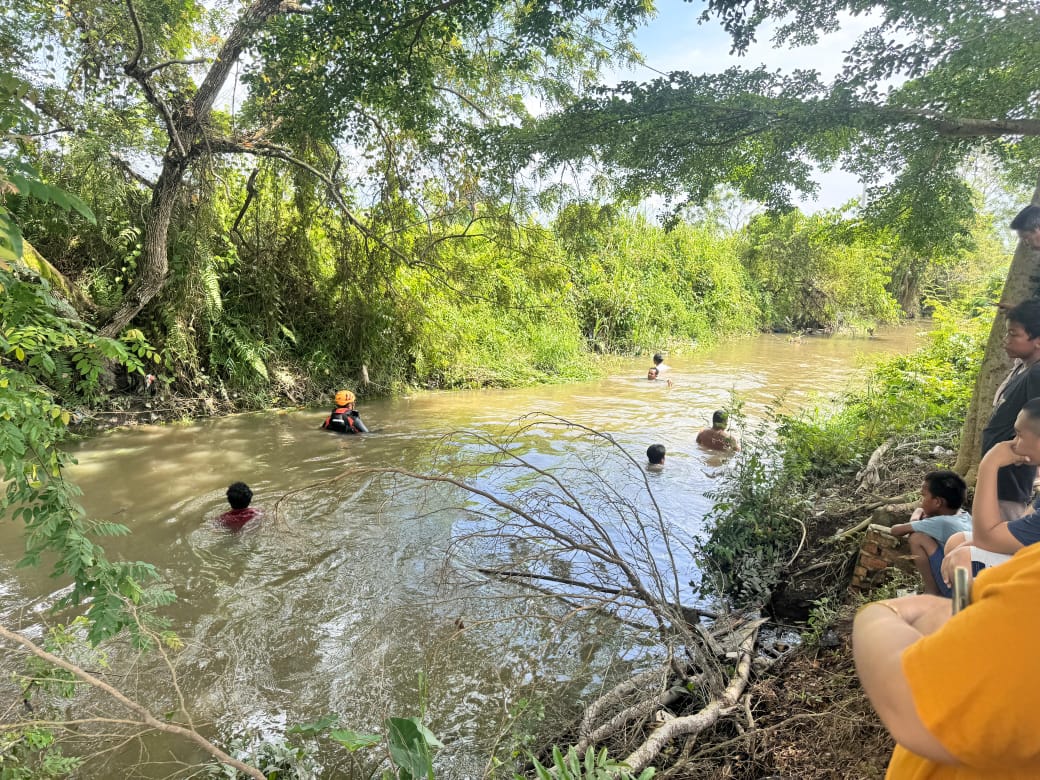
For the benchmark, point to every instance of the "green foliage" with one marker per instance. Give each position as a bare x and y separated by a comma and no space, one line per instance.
594,766
41,347
31,754
822,616
752,526
963,81
638,287
277,759
408,745
452,283
813,272
65,641
411,747
924,393
32,426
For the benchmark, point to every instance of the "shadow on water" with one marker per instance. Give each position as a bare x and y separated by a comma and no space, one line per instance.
341,599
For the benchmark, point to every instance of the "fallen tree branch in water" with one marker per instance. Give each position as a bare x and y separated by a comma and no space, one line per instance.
144,715
588,532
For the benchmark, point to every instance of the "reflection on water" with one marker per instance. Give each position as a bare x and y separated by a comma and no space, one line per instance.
345,594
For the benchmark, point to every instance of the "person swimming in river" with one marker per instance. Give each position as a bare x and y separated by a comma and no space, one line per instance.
717,437
654,373
655,457
344,418
238,495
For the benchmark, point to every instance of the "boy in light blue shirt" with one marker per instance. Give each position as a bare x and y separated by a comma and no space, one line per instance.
937,519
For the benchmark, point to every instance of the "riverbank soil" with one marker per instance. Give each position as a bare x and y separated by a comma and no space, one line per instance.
809,721
809,717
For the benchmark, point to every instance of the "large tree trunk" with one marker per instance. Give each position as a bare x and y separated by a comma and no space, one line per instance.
186,125
154,258
1023,282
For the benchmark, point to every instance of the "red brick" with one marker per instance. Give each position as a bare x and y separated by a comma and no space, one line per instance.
875,564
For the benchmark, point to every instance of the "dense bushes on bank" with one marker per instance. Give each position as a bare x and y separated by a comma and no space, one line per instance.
283,297
768,503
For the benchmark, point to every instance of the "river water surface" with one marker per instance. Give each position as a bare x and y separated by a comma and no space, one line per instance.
343,598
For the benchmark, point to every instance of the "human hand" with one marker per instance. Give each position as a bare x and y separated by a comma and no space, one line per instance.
958,556
1003,454
917,514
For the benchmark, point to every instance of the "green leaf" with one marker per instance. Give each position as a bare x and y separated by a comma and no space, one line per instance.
315,727
410,745
353,740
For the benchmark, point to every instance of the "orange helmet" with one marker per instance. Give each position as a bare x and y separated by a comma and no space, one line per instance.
344,397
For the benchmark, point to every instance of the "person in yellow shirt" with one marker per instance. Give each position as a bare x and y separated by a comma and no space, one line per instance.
959,693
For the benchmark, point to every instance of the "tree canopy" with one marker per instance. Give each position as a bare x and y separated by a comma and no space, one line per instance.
925,87
322,78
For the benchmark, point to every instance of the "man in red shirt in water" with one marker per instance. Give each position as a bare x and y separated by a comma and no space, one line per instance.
238,495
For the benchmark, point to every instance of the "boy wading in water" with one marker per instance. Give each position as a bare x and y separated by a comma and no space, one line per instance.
717,437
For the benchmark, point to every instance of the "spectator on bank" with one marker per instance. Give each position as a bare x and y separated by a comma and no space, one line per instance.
992,539
1027,225
958,693
932,524
1022,344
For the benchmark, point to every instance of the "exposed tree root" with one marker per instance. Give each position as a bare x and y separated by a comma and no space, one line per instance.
708,715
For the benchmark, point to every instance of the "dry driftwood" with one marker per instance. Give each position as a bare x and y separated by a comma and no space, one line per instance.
708,715
144,716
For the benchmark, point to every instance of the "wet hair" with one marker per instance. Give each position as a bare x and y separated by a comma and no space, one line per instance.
239,495
720,418
1026,314
652,372
658,358
1028,219
947,485
655,454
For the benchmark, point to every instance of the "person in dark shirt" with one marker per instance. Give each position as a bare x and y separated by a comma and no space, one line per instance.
238,495
1022,344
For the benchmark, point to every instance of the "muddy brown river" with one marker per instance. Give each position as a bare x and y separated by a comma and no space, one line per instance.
352,595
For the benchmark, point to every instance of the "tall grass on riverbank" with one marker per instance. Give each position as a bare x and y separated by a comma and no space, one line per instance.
785,477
